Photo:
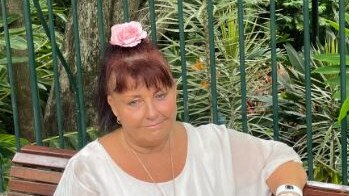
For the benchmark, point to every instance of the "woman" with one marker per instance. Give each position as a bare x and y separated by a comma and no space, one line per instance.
149,153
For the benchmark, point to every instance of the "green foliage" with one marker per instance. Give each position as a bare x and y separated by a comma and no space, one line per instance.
226,53
71,139
43,58
18,42
331,58
325,130
290,18
323,173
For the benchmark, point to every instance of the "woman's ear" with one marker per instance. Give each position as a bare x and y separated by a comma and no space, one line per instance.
112,104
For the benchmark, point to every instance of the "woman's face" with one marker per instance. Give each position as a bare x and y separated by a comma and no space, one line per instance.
147,115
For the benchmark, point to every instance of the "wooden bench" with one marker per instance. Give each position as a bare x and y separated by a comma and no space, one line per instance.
36,170
313,188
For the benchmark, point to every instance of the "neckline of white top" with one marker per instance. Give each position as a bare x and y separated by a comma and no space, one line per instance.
125,174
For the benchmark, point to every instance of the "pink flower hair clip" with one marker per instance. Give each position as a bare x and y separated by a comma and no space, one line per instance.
127,34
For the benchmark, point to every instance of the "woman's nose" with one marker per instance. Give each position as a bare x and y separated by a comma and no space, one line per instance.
152,111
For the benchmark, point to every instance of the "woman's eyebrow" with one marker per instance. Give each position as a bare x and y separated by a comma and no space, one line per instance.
133,96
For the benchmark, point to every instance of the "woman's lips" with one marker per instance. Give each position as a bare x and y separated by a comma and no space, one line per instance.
154,125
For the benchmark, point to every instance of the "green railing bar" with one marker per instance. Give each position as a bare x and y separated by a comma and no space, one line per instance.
314,21
242,65
57,85
274,70
81,112
32,68
213,85
308,88
100,22
125,8
10,73
183,61
343,52
66,67
153,21
2,188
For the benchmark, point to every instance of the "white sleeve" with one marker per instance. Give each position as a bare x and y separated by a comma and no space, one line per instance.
75,180
255,159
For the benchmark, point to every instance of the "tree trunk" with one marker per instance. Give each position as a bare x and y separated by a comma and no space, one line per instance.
22,80
90,55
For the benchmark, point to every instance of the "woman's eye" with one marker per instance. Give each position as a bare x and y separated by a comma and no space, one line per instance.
133,102
160,96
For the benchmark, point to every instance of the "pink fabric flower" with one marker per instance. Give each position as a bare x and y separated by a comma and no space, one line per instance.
127,34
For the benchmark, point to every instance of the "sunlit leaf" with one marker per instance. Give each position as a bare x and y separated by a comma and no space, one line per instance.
344,110
331,58
334,69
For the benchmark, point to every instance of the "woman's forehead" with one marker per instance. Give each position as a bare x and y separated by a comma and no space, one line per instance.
140,91
138,84
134,85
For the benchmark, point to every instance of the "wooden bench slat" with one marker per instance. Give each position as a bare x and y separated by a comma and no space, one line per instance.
31,187
40,160
43,150
327,186
32,174
313,188
322,193
18,194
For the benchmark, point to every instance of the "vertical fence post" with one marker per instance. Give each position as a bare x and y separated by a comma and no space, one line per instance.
2,188
274,70
4,16
80,92
183,61
213,82
57,86
11,75
242,65
308,88
343,52
100,22
153,21
125,8
32,68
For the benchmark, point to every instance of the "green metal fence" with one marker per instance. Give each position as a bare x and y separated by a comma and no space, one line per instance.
76,78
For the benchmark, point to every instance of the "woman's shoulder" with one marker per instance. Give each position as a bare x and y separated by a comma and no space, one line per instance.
208,129
88,152
213,131
208,134
204,127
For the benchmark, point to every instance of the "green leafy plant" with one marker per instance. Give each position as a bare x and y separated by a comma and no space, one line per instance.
325,130
226,54
43,58
289,16
71,139
332,69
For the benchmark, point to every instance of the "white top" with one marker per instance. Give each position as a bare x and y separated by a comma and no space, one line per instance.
220,162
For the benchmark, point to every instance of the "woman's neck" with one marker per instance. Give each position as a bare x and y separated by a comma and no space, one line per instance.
142,148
